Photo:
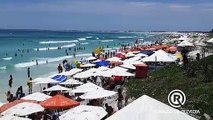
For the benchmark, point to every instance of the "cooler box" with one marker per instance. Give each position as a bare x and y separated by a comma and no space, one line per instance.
141,70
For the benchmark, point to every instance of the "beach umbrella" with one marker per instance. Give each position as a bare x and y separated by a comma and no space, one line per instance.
91,58
86,88
120,55
37,96
141,55
137,62
23,109
57,88
128,66
185,44
44,80
88,65
60,78
59,102
159,56
114,59
11,104
147,52
102,68
96,94
130,54
102,63
71,72
83,75
84,112
71,82
10,117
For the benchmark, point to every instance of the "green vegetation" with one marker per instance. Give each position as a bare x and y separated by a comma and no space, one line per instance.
196,82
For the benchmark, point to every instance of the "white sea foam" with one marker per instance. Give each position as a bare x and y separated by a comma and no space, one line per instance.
68,46
55,42
125,37
86,43
88,36
97,38
45,60
107,40
7,58
81,39
3,68
54,48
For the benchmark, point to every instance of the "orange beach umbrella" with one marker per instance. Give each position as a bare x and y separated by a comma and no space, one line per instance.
59,102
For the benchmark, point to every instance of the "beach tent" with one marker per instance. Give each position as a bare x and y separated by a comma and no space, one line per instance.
91,58
57,88
11,104
210,40
102,63
84,112
59,102
71,72
44,80
147,52
86,88
10,117
159,56
185,44
60,78
23,109
37,96
147,108
96,94
71,82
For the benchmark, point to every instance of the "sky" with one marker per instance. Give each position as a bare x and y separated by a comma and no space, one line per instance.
140,15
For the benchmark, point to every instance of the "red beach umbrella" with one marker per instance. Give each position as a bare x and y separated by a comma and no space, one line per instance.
120,55
59,102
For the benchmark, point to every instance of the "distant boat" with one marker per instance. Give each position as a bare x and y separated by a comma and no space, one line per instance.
7,58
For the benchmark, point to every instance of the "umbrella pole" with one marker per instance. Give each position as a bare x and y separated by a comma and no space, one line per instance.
155,63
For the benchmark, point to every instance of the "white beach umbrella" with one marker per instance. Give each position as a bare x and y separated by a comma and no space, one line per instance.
71,82
100,93
137,62
83,75
114,59
91,58
86,88
159,56
10,117
71,72
23,109
119,69
130,54
141,55
57,88
185,44
128,66
37,96
84,112
44,80
88,65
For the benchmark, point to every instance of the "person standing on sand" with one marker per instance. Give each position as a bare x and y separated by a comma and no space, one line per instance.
60,68
30,85
10,81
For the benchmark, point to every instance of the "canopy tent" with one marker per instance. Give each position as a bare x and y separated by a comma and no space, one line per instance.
159,56
185,44
91,58
9,117
147,108
11,104
84,112
44,80
57,88
102,63
60,78
86,88
59,102
37,96
210,40
71,82
100,93
23,109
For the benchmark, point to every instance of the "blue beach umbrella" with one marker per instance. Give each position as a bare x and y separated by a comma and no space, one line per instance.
102,63
60,78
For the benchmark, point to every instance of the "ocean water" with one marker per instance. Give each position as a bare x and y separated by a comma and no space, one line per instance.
19,50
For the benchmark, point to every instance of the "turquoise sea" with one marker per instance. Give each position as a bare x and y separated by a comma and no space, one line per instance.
19,50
